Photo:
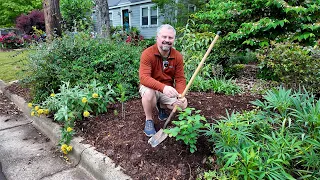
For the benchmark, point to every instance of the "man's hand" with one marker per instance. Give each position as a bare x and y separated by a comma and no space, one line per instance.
181,102
170,92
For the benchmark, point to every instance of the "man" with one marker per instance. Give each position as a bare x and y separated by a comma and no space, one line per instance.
162,78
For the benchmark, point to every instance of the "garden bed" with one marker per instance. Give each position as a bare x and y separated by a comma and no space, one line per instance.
123,140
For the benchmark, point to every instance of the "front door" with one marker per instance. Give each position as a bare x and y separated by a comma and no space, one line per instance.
125,19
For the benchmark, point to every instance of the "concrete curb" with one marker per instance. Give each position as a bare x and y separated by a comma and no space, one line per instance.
97,164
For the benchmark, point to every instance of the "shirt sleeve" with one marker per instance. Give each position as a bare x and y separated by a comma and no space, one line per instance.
145,71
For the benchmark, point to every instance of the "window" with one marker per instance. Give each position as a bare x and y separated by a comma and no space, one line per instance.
149,16
111,18
154,16
144,16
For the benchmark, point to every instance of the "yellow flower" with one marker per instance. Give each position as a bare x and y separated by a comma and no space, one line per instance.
86,114
64,147
32,113
69,129
84,100
36,108
95,95
46,111
29,105
69,148
40,111
52,94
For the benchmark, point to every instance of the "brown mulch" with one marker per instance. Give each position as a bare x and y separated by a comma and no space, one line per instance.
7,107
123,140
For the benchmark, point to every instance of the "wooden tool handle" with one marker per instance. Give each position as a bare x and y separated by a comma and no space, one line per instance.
193,77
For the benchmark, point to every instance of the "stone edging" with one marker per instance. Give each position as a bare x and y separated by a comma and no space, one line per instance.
97,164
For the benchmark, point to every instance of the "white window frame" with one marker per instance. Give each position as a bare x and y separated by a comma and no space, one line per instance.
111,18
149,16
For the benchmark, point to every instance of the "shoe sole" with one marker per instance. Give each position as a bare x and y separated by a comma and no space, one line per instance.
162,119
147,134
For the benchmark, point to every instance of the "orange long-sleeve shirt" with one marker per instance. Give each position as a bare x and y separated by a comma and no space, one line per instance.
152,74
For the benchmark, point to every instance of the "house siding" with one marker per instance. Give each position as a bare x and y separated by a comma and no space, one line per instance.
134,18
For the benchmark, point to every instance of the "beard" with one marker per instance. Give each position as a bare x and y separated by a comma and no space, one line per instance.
166,46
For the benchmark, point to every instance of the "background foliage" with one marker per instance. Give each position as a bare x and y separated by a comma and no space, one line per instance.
291,64
10,10
78,59
76,14
34,19
253,24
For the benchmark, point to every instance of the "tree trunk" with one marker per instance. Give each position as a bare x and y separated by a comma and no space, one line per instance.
103,13
52,18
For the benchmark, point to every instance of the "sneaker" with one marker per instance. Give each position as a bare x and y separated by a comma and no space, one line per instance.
162,113
149,129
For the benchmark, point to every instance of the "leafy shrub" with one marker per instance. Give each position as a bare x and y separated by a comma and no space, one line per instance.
74,103
78,59
278,140
34,19
11,41
291,64
188,127
245,24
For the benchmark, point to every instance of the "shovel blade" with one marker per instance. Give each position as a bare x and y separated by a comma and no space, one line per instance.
157,138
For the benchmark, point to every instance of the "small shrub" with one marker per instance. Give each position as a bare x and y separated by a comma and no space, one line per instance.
34,19
11,41
188,127
72,104
292,64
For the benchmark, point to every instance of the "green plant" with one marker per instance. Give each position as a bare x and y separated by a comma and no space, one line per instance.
291,64
278,140
122,91
188,127
221,85
76,14
79,59
276,99
245,23
74,103
10,10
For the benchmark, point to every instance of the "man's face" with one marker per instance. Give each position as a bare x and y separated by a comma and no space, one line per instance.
165,39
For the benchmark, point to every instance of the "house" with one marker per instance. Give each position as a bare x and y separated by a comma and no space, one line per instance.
142,14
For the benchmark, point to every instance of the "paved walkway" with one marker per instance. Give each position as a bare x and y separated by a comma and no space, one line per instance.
25,153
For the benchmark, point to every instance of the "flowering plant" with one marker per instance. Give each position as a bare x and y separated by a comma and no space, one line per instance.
72,104
11,41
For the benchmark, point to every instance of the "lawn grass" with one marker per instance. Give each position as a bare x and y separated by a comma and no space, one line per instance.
11,65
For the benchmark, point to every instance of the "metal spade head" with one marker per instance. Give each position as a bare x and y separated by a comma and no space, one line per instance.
157,138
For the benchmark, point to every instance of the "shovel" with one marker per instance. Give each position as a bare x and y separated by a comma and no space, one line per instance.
160,135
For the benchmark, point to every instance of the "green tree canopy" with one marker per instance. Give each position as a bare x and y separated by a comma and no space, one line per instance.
76,13
10,10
